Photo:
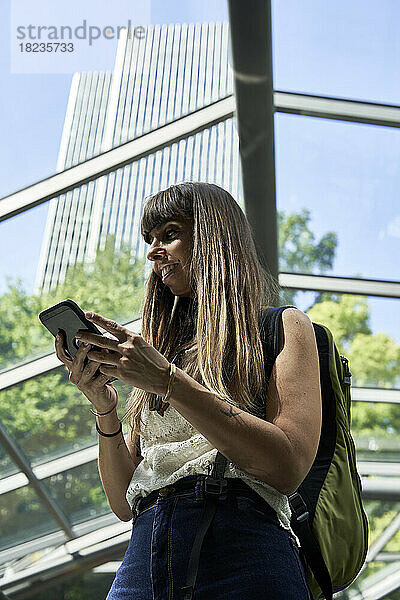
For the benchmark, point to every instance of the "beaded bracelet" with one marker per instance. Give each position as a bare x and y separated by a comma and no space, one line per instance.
109,434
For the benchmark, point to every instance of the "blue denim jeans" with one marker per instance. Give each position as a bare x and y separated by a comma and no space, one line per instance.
246,553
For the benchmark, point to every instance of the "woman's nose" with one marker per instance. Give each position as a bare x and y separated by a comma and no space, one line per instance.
155,253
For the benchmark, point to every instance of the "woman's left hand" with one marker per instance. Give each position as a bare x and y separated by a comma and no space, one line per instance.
129,358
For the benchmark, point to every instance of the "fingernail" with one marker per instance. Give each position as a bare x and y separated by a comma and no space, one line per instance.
89,315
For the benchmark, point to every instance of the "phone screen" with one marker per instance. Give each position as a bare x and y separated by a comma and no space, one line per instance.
66,316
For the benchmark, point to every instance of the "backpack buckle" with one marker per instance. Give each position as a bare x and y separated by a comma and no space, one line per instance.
214,486
299,507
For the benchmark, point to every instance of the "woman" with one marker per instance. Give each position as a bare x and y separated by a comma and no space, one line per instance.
201,312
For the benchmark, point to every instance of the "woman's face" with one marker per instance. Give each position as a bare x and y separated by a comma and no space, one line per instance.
171,243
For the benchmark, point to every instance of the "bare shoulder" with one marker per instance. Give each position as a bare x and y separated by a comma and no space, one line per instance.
296,336
292,315
295,324
294,394
297,344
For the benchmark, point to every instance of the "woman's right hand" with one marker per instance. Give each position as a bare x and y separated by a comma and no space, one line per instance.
95,387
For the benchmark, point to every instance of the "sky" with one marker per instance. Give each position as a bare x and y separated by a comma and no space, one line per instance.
345,174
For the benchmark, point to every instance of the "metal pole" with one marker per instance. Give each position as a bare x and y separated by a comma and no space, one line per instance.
251,45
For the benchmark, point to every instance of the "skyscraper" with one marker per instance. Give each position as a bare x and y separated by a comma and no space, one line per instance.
173,71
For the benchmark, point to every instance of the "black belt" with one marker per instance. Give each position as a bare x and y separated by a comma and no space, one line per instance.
193,483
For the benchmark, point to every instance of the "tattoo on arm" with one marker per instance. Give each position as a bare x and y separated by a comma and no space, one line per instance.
231,412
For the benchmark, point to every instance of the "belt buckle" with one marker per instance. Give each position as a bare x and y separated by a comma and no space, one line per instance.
298,506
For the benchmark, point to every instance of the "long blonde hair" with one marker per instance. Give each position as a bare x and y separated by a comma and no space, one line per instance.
229,287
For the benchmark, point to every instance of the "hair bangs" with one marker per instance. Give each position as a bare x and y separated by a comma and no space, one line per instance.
167,205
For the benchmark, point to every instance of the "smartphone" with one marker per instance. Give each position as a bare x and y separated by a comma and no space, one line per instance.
68,317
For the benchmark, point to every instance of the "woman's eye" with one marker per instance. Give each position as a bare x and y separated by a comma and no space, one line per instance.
166,234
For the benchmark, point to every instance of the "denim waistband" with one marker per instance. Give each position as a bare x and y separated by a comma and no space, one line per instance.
190,483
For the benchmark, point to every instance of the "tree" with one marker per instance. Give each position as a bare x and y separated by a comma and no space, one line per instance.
112,285
299,252
47,415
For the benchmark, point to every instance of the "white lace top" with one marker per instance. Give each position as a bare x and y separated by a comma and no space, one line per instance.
172,448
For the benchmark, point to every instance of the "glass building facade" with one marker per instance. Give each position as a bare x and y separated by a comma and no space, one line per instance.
176,70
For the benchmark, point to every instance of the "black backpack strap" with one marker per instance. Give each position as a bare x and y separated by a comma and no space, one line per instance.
214,485
300,522
269,331
309,546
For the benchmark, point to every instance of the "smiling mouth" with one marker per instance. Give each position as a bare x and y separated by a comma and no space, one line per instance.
169,273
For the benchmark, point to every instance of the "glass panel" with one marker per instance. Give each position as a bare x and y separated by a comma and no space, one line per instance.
375,427
79,493
49,417
189,71
91,247
23,518
337,195
58,102
364,329
7,466
23,337
30,130
380,515
374,361
173,69
377,573
20,240
342,49
88,586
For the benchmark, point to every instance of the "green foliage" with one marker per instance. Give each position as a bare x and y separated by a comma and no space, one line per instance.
48,416
372,420
375,360
112,285
298,250
19,332
345,317
380,516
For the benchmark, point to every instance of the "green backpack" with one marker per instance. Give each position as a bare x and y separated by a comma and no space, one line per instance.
327,511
